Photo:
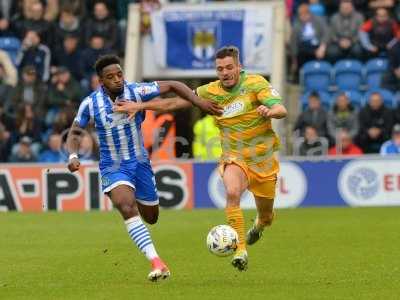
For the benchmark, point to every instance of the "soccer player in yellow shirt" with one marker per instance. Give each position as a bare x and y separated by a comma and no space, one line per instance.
248,159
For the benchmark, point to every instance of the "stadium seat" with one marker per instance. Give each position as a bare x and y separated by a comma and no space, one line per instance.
11,45
348,74
388,97
355,97
324,96
374,69
316,75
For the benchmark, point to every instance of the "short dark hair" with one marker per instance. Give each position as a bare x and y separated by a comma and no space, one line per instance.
105,61
314,94
228,51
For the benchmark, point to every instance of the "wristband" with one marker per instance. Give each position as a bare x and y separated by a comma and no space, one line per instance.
73,155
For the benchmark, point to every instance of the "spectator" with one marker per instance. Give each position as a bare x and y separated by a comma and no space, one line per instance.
10,75
314,116
311,144
91,54
392,146
206,144
102,24
7,9
53,153
342,116
94,84
309,38
29,90
344,145
63,92
34,52
5,89
63,119
33,20
23,151
344,28
6,127
377,33
68,25
391,78
376,122
69,55
146,8
78,7
28,124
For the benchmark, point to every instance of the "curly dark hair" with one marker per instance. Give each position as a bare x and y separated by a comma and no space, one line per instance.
105,61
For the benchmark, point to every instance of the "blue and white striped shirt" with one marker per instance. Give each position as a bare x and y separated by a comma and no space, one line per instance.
120,140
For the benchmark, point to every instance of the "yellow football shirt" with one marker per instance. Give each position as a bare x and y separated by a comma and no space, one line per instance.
246,137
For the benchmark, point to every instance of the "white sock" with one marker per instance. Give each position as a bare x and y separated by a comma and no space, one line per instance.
141,237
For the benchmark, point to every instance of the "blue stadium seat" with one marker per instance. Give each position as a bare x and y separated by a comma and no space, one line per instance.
11,45
389,98
355,97
324,96
316,75
374,69
348,74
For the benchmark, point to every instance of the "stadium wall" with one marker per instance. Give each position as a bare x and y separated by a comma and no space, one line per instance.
373,181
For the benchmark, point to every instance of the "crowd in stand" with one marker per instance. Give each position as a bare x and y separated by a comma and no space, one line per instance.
358,30
42,85
43,82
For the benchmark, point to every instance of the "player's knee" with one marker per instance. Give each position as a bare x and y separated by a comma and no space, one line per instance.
233,193
126,207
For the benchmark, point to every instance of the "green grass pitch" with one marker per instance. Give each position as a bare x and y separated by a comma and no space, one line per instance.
325,253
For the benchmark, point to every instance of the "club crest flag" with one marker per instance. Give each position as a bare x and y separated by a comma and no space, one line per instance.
188,38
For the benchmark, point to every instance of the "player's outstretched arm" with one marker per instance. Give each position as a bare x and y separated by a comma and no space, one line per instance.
276,111
73,143
182,90
156,104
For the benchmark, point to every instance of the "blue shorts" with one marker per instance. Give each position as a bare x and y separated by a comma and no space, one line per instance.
139,176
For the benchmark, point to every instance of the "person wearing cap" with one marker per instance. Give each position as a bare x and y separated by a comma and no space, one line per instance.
23,151
392,146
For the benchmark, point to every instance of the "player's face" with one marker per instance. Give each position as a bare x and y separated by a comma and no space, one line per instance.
228,71
112,78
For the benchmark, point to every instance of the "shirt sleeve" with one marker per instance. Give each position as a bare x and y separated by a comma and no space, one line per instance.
147,90
201,91
83,115
266,94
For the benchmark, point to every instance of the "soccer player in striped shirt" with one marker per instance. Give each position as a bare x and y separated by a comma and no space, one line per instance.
248,141
126,174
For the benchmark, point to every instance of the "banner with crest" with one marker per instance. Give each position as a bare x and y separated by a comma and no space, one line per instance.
187,38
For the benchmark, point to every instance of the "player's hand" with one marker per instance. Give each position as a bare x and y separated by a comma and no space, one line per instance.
131,108
210,107
264,111
73,164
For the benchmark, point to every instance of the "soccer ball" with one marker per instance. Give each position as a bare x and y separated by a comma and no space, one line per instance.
222,240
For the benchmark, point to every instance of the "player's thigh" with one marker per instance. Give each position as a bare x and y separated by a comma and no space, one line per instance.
264,192
235,179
